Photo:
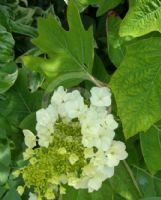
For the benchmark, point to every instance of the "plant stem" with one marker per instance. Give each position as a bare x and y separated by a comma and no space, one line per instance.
132,177
96,81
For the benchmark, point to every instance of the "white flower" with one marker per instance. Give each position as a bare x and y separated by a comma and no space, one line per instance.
42,116
32,196
110,122
74,107
63,179
90,127
66,1
80,183
105,138
30,139
99,158
92,115
58,96
94,183
89,140
52,112
44,141
97,136
100,96
116,153
45,124
89,170
70,96
28,154
43,131
43,119
96,175
100,111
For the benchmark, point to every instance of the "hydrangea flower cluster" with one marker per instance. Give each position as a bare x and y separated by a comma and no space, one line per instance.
74,145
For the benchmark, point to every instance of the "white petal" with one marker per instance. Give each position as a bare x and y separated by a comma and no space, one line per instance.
110,122
100,96
43,117
52,112
116,153
32,196
58,96
44,141
94,184
30,139
66,1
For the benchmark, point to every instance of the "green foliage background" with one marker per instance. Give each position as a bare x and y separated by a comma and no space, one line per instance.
44,44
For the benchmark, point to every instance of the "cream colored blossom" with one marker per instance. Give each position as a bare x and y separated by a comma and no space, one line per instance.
76,144
32,196
100,96
30,139
58,96
116,153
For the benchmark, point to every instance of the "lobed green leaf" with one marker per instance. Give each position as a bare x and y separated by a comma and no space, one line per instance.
144,16
136,85
151,148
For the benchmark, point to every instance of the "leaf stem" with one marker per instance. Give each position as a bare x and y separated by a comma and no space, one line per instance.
132,177
156,127
96,81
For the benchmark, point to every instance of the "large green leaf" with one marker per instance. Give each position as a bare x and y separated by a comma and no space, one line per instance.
2,191
99,70
5,155
4,127
12,194
8,76
116,44
116,47
8,69
143,17
151,148
23,29
6,46
5,160
4,15
145,182
17,19
75,45
53,67
149,185
18,102
124,183
104,5
136,85
4,173
68,51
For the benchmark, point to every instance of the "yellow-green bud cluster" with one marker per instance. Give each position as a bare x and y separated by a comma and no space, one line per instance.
48,168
